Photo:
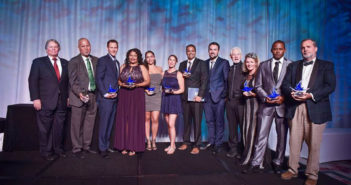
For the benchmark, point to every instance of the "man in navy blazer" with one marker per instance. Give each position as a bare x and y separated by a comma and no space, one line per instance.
215,95
48,87
107,73
309,111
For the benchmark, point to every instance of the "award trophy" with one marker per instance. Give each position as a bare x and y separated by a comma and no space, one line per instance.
247,88
151,91
168,89
187,73
130,82
299,90
110,91
85,96
274,94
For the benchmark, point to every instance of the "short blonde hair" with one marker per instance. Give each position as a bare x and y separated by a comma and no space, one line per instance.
253,56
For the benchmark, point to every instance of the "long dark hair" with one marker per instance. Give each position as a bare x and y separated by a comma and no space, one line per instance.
139,55
145,62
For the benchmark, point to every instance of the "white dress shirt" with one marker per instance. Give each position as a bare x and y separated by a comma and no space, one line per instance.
281,60
58,62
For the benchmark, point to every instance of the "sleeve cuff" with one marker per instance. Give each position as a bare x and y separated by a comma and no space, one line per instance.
312,97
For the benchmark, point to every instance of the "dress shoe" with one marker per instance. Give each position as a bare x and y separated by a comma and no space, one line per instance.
232,154
288,175
207,146
183,147
49,157
111,150
62,155
104,155
310,182
90,151
277,168
195,151
79,155
251,169
217,149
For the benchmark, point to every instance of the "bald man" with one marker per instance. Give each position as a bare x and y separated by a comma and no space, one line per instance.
81,69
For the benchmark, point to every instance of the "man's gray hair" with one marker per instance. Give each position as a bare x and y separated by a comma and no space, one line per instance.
235,48
51,40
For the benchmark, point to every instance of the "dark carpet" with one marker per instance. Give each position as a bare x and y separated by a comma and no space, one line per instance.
148,168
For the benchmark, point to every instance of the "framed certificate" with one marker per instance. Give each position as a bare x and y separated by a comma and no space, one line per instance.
192,92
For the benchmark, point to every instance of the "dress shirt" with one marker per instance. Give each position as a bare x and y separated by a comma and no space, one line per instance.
58,62
214,62
191,63
281,60
306,75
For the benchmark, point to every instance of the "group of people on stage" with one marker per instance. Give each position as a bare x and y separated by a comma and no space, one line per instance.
131,96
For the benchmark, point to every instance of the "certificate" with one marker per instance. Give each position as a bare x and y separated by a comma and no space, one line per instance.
192,92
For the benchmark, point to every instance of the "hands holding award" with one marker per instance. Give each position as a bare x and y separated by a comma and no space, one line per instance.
168,90
186,73
84,97
150,91
274,98
248,90
112,93
299,93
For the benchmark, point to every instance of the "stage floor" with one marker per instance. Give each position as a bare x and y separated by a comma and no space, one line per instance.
150,167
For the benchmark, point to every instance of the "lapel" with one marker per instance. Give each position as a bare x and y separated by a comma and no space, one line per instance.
282,71
64,73
93,62
314,74
216,65
50,67
82,65
299,71
208,67
193,67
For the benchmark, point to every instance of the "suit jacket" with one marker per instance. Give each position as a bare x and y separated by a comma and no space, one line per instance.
217,86
44,85
238,79
198,78
265,84
106,74
321,85
78,78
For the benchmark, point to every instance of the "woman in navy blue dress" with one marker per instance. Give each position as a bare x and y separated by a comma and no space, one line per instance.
173,86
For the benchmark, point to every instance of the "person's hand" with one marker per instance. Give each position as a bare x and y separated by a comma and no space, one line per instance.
245,93
198,99
82,97
278,100
304,97
37,104
252,94
185,75
111,95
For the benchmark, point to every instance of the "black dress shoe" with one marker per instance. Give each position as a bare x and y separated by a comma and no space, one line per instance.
62,155
277,168
111,150
49,157
207,146
79,155
217,149
232,154
89,151
251,169
104,155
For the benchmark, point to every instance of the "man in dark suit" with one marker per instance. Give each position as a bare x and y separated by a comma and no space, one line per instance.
48,87
81,69
215,96
308,112
193,108
107,73
269,78
235,104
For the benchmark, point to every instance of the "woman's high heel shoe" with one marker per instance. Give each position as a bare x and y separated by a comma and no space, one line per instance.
148,147
154,144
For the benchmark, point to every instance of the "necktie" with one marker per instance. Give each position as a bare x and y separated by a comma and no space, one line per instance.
57,71
275,71
308,63
91,76
189,66
212,62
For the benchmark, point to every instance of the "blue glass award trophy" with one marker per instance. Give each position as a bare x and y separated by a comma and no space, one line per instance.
111,90
151,91
299,90
274,94
246,87
187,73
168,89
130,82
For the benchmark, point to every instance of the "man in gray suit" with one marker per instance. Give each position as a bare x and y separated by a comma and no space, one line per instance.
81,69
269,78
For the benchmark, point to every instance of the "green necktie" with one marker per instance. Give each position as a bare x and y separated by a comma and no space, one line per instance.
91,76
